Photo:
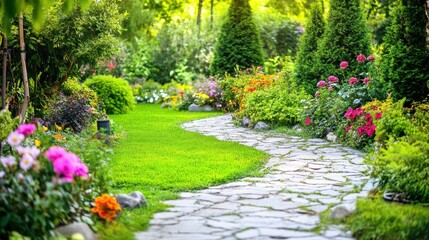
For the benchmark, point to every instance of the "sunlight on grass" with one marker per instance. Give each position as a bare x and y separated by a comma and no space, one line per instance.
160,159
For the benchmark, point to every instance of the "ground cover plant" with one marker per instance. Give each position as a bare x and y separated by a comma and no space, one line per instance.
161,159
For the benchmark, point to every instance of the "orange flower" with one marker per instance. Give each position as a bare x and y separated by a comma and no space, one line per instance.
106,207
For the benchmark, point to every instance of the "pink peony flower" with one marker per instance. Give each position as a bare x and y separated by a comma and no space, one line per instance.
344,65
26,129
370,58
330,88
368,119
333,79
361,130
26,162
361,58
55,153
353,80
321,83
81,170
307,121
32,151
64,167
370,130
15,138
350,114
8,161
366,80
317,93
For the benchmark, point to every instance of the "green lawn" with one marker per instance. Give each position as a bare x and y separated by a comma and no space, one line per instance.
160,159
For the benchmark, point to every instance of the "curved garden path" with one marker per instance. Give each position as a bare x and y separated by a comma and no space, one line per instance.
304,178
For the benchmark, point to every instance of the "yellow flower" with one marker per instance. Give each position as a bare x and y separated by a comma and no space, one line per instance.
58,136
37,142
59,128
45,128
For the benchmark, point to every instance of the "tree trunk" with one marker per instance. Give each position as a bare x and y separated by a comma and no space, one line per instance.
200,8
211,13
24,69
427,23
3,86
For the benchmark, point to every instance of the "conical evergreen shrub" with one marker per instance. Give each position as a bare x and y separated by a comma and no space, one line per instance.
239,42
306,74
345,37
405,61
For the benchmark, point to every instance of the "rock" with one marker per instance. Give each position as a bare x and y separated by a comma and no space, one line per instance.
195,108
76,228
342,211
331,137
261,126
245,122
132,200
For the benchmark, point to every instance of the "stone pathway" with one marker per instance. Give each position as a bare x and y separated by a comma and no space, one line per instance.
305,177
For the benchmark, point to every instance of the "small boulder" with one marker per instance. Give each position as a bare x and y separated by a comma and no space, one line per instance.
195,108
342,211
261,126
331,137
245,122
76,229
132,200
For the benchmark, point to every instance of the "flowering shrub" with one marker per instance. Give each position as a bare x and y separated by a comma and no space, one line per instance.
43,185
208,92
106,207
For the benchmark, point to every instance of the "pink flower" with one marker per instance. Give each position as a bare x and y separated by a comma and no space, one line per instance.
344,65
26,129
20,176
361,58
350,114
32,151
368,119
330,88
26,162
353,80
333,79
81,170
370,58
378,115
8,161
2,173
361,130
55,153
366,80
15,138
348,127
307,121
321,83
63,167
370,130
317,93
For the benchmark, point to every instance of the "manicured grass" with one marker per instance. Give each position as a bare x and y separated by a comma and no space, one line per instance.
160,159
377,219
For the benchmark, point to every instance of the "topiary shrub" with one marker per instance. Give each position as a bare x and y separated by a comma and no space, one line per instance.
114,93
239,43
306,74
346,36
406,57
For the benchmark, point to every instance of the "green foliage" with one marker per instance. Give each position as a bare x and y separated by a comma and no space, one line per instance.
114,93
68,40
346,35
279,104
136,67
7,123
306,74
238,42
376,219
406,55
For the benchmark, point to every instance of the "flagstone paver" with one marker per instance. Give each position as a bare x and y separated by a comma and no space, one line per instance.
305,177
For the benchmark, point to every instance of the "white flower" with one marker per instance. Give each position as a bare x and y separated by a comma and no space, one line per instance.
2,173
26,162
8,161
32,151
14,139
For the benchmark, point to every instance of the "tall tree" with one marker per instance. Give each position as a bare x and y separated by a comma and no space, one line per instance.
345,37
406,56
239,42
200,8
306,75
